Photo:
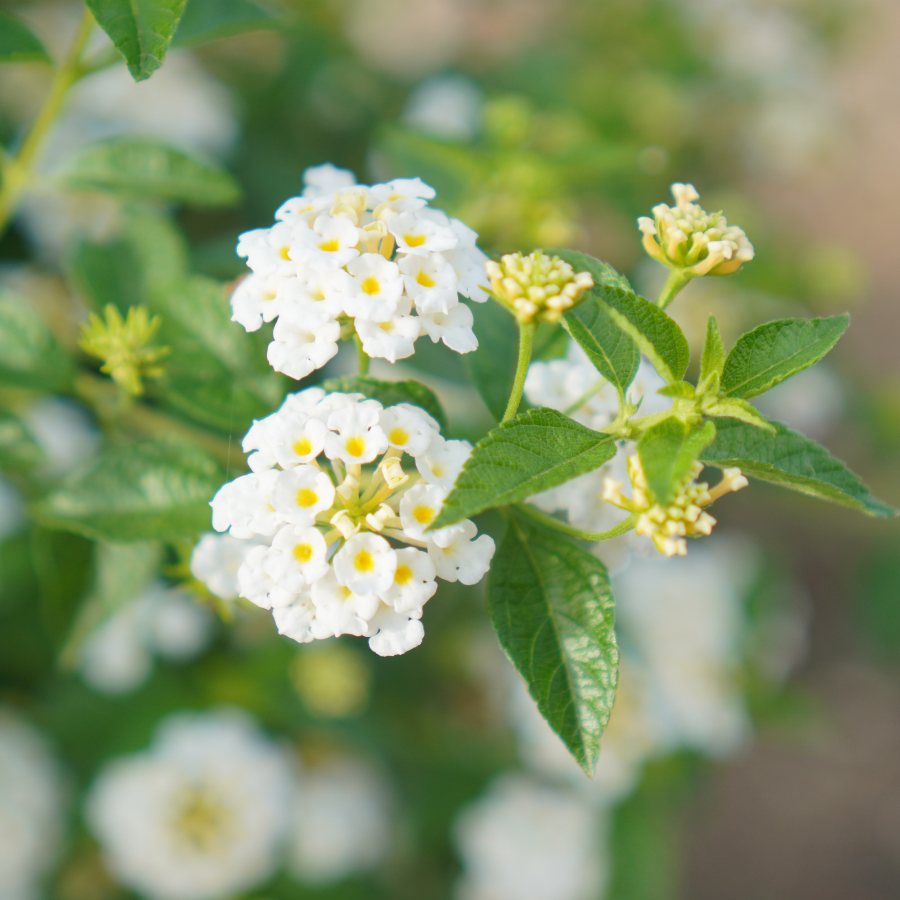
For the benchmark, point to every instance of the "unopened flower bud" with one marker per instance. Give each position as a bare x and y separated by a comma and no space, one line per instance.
376,520
687,237
124,346
537,285
344,524
668,527
393,473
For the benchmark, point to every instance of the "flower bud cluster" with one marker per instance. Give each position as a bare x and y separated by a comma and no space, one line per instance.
687,237
349,258
324,529
124,346
683,517
537,285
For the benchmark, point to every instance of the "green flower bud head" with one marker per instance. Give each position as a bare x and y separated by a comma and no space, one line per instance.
536,286
123,345
686,236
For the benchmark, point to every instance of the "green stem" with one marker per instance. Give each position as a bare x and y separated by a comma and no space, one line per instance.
624,526
677,279
574,407
362,357
526,342
17,171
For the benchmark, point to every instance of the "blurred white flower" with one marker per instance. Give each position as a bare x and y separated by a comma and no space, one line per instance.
215,561
31,809
118,656
684,618
525,841
812,401
65,432
342,821
202,814
445,106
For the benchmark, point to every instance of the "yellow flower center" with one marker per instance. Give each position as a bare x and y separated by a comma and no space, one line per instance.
425,280
414,240
303,446
201,819
344,593
355,446
423,514
307,497
403,575
331,246
283,253
398,436
363,561
371,286
303,553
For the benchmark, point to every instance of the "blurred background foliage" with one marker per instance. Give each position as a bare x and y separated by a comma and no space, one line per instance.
540,123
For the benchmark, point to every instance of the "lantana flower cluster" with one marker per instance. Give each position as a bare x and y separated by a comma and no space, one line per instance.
686,236
326,529
350,259
683,517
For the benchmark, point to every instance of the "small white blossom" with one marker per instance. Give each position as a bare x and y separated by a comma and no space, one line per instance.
366,564
300,347
421,236
294,621
199,815
408,428
453,328
442,462
419,507
401,194
464,557
329,244
256,585
391,340
430,281
339,610
413,584
355,436
243,506
258,299
392,633
324,180
297,557
318,299
301,493
375,288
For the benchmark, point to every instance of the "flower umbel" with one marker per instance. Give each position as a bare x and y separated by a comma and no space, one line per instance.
686,236
537,285
325,527
124,346
684,516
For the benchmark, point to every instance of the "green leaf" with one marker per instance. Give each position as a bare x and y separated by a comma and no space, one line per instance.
681,389
739,409
17,43
772,352
389,393
145,167
667,451
614,354
18,449
492,367
658,336
552,606
205,20
152,490
533,452
29,355
160,249
105,273
141,30
791,460
122,573
603,273
713,359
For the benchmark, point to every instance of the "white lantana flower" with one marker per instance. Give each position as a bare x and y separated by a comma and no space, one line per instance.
199,815
525,841
326,559
215,561
347,258
31,809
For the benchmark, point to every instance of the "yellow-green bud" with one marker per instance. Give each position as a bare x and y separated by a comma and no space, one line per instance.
684,517
686,236
123,345
536,286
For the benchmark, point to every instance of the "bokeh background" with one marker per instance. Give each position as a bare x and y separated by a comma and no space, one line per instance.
767,763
